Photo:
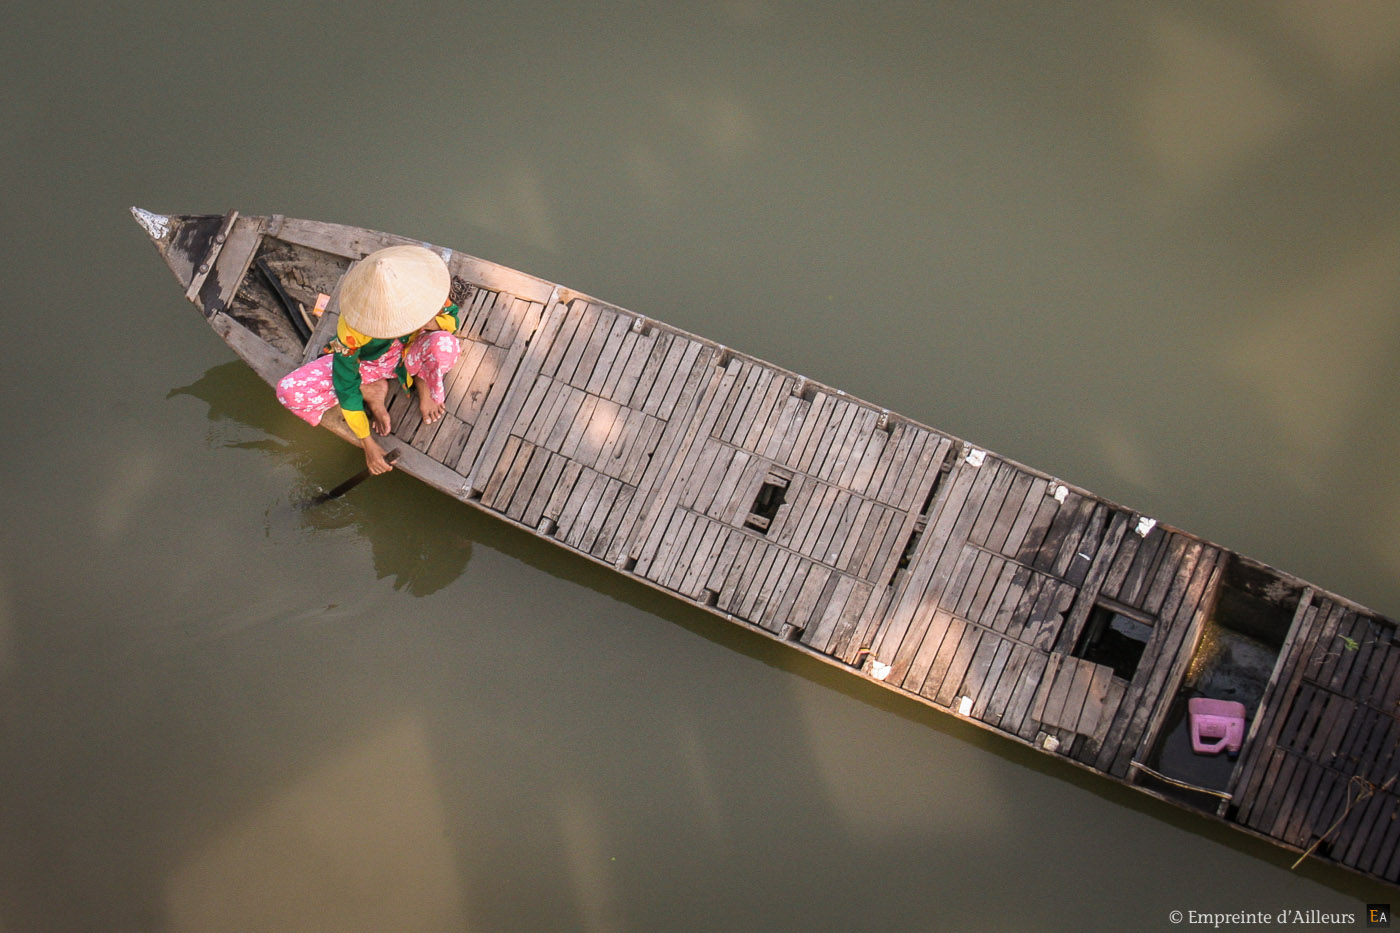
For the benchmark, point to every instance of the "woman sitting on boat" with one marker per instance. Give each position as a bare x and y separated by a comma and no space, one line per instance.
397,318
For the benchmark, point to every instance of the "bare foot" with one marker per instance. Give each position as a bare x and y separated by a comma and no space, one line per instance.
374,394
431,410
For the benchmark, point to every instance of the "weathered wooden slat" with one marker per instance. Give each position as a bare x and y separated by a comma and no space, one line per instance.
569,515
766,412
525,490
544,489
652,368
590,319
589,539
614,519
859,531
923,562
562,490
607,387
946,676
572,316
527,455
832,439
631,374
786,410
503,467
903,471
508,391
610,347
672,457
1143,566
1016,718
702,560
746,409
818,410
607,324
1098,571
1163,656
827,615
781,606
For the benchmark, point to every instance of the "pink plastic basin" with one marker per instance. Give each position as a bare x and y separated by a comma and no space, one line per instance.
1216,726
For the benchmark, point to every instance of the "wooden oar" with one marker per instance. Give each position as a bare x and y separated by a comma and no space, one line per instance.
350,483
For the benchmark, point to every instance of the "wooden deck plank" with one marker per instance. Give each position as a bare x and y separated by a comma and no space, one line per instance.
705,554
1131,591
631,373
924,562
860,529
607,324
833,536
837,428
878,551
504,465
950,530
1016,718
773,558
589,319
849,620
704,476
1163,652
747,408
610,347
738,400
998,691
509,390
896,437
544,489
820,425
870,456
828,615
1012,503
850,436
993,505
459,377
750,551
607,387
780,607
694,353
578,496
1105,557
672,455
949,668
562,490
894,489
613,521
982,675
786,409
514,507
529,420
652,368
601,513
595,435
582,419
766,414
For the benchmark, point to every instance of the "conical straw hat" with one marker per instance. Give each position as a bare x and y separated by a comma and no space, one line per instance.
394,291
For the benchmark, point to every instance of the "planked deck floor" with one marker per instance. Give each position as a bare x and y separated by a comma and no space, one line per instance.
978,585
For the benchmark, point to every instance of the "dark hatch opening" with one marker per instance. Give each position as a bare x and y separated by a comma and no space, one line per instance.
1113,639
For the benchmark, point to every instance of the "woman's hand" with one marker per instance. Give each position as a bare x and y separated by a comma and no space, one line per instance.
374,457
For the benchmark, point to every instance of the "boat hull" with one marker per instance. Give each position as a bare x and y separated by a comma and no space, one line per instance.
894,551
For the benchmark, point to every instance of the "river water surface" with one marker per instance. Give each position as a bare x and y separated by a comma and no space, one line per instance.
1150,247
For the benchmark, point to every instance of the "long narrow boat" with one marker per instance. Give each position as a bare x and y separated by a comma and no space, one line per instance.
954,576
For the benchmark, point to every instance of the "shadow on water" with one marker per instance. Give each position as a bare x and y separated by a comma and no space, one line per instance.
424,542
420,546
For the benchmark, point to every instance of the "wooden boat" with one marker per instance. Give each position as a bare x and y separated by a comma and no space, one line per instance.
945,572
